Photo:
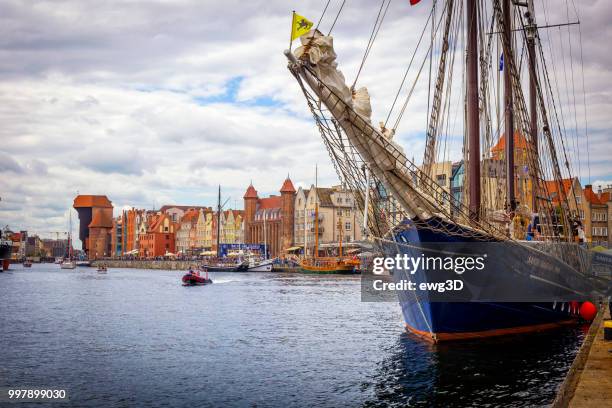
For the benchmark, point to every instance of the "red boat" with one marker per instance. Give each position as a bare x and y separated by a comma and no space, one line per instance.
192,278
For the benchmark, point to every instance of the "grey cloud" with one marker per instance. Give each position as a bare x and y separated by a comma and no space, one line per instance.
8,164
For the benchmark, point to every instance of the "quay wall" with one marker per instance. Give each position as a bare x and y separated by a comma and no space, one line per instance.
167,264
146,264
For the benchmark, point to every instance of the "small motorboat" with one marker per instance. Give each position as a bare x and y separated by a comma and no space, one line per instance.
193,278
68,264
27,264
102,269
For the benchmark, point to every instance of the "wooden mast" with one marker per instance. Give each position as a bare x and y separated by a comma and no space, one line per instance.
533,113
219,222
509,114
473,123
316,226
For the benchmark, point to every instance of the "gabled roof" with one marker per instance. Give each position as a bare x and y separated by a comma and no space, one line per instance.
101,220
324,195
552,188
287,186
92,201
191,216
594,198
157,221
251,192
520,142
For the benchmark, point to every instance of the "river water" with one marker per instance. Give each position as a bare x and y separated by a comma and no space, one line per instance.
138,338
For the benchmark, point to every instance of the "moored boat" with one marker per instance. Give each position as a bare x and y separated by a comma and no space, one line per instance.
406,204
27,264
6,247
325,265
68,264
263,265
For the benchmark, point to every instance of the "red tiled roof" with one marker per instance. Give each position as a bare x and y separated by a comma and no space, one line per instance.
101,220
520,142
191,216
251,192
595,198
553,190
92,201
287,186
269,203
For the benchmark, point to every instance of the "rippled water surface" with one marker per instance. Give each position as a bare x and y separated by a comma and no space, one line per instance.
138,338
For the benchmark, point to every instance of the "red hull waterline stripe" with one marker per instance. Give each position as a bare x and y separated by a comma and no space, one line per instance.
438,337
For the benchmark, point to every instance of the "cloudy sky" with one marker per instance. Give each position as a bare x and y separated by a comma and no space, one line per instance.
158,102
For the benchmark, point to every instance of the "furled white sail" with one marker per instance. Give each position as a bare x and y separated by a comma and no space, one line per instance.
352,110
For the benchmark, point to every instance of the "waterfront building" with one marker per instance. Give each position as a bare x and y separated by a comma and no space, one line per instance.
176,212
96,221
231,227
201,229
55,248
33,246
117,236
186,232
456,184
159,238
338,217
18,248
597,215
494,175
209,232
131,227
270,220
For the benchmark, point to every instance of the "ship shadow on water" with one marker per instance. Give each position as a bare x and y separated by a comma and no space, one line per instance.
520,370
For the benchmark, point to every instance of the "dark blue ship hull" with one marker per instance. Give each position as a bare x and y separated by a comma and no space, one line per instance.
441,321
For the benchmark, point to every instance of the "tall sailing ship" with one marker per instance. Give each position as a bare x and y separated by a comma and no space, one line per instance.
405,205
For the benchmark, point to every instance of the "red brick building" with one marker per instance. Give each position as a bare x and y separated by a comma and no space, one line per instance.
159,238
273,216
96,223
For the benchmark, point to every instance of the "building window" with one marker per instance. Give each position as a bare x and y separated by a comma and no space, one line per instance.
339,200
347,226
339,213
441,179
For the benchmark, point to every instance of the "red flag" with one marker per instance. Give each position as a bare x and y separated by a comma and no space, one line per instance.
413,2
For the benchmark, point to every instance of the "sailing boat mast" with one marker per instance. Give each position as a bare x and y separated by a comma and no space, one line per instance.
473,123
316,249
219,222
69,234
533,114
509,113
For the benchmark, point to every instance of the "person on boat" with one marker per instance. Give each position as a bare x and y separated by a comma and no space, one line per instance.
581,235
